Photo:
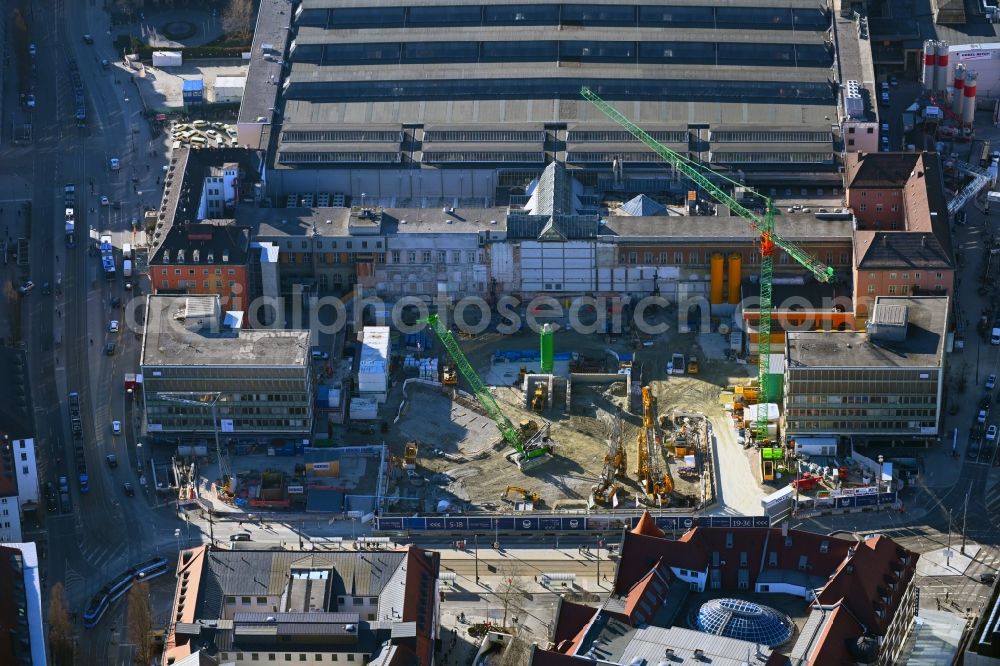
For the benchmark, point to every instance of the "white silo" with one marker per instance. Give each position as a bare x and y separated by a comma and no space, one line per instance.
958,90
969,99
930,65
941,71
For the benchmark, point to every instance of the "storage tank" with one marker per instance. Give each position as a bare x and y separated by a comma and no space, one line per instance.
956,100
969,99
930,65
941,71
547,343
717,274
735,276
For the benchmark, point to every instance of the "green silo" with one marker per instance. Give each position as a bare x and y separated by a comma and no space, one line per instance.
547,342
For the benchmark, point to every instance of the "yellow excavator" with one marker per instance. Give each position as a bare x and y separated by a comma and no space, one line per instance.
653,475
528,495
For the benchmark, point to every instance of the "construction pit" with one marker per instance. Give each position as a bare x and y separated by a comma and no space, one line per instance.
462,463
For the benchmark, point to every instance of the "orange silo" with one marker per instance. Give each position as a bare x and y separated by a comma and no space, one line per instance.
717,274
735,276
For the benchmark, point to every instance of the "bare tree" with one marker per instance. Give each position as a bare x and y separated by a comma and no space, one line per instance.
60,629
140,622
237,18
510,591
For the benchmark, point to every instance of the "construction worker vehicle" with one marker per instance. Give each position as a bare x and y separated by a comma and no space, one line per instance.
449,377
615,467
526,495
654,476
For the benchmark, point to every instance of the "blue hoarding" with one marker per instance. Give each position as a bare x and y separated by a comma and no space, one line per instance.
598,523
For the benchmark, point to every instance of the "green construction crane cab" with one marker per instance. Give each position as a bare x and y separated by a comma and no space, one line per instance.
524,438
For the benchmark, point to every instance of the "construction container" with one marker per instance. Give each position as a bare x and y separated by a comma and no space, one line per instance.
167,59
330,468
735,278
228,89
193,92
373,368
717,274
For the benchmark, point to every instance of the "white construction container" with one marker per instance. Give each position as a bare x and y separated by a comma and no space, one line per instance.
228,89
373,367
750,412
167,59
364,409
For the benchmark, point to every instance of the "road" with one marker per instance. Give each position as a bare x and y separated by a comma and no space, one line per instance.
65,332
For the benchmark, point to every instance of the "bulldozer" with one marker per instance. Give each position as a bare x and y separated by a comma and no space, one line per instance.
410,455
539,398
527,495
527,428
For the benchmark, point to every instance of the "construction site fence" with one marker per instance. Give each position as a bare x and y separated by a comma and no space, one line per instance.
536,523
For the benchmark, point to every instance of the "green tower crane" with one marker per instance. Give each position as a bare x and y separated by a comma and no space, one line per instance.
763,225
529,452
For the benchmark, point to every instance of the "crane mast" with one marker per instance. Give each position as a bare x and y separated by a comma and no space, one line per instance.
520,439
764,226
657,483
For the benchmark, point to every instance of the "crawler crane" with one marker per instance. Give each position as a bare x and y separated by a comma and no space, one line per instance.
615,466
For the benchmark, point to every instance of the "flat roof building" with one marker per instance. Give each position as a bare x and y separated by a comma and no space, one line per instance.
251,606
446,94
22,630
884,384
189,354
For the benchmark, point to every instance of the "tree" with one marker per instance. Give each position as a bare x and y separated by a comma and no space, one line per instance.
237,18
140,622
60,629
509,592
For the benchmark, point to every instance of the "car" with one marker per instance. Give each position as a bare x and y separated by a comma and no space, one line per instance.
105,63
32,50
26,287
885,86
112,460
973,451
113,326
109,349
893,81
885,128
88,39
116,427
991,381
240,536
129,490
115,164
29,100
991,433
321,355
46,288
981,416
105,201
885,97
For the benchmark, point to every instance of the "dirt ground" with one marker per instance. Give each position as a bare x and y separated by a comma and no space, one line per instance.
475,471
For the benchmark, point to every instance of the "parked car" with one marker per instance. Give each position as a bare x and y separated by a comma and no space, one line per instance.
88,39
115,163
973,451
991,381
26,287
113,326
893,81
32,50
112,460
116,427
109,349
991,433
105,201
981,416
129,490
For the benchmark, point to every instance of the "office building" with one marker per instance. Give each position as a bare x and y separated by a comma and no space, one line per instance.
22,630
688,600
254,606
881,385
242,382
10,505
23,451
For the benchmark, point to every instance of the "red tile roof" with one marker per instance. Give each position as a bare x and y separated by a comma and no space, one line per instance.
840,631
422,569
647,526
572,620
872,579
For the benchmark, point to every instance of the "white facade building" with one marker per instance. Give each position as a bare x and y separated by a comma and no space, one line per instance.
10,519
26,471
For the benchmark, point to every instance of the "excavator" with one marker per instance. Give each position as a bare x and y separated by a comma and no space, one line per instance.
615,467
527,495
653,476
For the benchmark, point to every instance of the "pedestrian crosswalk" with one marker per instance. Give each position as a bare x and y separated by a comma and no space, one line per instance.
105,557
